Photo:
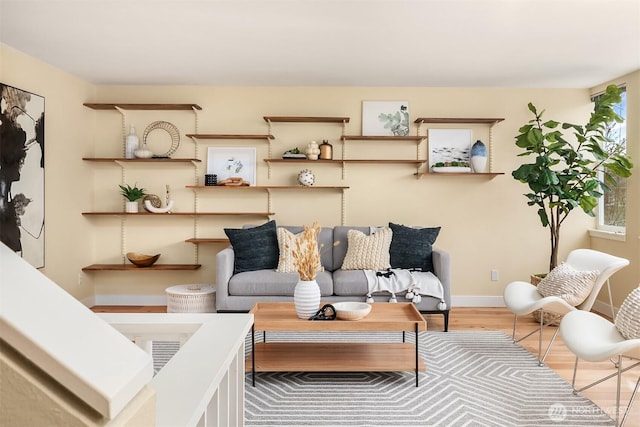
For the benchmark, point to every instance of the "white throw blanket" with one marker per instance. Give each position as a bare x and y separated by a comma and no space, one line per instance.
416,283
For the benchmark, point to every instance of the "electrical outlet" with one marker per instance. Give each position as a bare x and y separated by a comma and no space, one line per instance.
494,275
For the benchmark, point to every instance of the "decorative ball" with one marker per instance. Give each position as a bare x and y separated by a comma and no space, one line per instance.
306,178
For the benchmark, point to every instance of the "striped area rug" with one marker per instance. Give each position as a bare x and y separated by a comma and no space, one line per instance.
472,379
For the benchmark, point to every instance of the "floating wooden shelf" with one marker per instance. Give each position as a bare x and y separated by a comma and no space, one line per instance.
305,119
381,138
152,160
475,174
131,267
388,161
176,214
112,106
199,240
458,120
265,187
228,136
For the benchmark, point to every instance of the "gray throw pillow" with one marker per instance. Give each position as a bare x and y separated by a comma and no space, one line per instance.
412,247
254,248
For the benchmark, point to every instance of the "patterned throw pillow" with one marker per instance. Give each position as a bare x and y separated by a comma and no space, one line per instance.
254,248
564,281
412,247
628,318
368,252
287,244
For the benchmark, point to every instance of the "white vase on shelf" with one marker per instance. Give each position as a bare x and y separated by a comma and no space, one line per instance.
306,298
478,157
131,144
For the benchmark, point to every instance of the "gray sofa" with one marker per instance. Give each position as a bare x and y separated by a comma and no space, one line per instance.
239,292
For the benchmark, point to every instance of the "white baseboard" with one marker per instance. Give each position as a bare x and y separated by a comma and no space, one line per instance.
457,301
477,301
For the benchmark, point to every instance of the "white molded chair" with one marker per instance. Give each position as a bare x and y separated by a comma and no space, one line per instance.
595,339
523,298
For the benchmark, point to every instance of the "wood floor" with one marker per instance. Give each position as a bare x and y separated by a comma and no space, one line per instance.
560,359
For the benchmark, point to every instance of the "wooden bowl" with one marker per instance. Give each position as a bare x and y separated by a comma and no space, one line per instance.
142,260
351,310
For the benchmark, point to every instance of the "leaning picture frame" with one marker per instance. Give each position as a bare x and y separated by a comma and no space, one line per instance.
449,145
231,162
385,118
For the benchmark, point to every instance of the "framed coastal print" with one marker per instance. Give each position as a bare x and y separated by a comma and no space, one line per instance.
232,162
22,173
385,118
449,145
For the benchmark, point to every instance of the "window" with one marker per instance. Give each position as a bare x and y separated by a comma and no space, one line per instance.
612,206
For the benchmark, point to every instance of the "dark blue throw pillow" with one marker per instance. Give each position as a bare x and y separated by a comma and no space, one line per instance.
254,248
412,247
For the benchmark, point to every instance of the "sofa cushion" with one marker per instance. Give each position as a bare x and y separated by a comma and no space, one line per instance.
271,283
412,247
340,241
255,248
367,252
325,244
573,286
350,283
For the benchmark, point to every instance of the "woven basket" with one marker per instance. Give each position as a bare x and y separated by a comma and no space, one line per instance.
549,317
191,299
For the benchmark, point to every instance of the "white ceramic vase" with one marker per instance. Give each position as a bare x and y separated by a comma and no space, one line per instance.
131,207
306,298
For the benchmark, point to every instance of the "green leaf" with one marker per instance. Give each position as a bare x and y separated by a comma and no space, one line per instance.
543,217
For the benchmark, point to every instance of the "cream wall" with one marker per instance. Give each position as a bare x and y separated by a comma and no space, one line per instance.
486,223
68,239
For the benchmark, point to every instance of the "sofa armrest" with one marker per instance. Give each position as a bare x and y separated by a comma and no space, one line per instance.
224,270
442,269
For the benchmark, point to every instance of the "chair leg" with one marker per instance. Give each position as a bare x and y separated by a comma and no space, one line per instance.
553,338
631,400
573,380
618,389
515,322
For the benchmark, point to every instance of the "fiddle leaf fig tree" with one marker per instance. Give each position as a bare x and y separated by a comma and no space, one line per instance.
564,175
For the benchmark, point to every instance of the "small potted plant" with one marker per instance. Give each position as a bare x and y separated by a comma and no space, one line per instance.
132,194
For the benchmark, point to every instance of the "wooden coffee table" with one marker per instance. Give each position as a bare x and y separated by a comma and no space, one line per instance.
334,356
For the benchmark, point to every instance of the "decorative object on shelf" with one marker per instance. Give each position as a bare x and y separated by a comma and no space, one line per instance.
326,150
131,143
143,152
449,145
312,150
478,156
351,310
380,118
234,181
306,259
153,200
166,209
306,178
451,167
142,260
232,162
171,129
294,153
132,194
210,179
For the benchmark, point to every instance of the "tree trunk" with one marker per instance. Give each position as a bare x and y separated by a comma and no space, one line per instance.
555,243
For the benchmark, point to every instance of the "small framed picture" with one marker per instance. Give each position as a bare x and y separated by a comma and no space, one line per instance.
230,162
449,145
385,118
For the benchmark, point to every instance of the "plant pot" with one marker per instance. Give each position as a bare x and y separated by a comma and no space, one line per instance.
131,207
306,298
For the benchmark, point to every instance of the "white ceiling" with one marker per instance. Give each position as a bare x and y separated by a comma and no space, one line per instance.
511,43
